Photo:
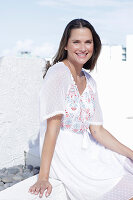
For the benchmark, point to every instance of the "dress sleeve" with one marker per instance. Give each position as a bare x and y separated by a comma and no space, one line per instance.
97,118
53,91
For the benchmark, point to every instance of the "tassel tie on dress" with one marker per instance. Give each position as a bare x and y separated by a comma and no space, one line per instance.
86,140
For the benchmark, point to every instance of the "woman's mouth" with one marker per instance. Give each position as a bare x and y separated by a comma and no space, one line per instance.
81,55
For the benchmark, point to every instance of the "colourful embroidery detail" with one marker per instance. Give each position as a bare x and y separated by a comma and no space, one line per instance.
79,110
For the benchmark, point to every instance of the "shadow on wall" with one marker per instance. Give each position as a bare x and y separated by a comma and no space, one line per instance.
32,155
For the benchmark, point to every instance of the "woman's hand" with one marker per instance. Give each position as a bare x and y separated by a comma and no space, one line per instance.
40,186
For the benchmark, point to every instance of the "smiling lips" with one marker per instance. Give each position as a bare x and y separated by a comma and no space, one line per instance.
81,55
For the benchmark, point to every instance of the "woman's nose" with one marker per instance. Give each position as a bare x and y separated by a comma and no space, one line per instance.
82,47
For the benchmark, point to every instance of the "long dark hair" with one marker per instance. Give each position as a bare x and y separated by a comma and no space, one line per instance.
62,53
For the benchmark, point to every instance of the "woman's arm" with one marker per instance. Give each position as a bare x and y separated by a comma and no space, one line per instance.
42,184
53,128
109,141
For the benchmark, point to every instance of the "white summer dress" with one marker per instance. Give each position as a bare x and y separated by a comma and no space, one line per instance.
88,170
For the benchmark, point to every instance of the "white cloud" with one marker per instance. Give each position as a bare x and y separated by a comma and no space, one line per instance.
21,45
44,50
25,45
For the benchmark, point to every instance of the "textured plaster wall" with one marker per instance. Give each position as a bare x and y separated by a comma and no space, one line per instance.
20,81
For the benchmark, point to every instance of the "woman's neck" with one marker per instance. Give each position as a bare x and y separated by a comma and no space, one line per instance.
77,70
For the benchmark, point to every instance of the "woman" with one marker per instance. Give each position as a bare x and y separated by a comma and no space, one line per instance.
75,148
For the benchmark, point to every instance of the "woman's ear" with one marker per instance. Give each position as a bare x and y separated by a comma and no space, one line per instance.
65,48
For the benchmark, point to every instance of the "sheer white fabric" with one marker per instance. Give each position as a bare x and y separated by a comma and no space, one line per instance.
86,173
59,95
97,118
53,91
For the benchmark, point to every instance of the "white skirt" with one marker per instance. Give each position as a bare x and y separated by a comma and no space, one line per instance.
95,173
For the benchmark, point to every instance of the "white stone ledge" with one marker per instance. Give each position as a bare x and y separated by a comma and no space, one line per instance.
19,191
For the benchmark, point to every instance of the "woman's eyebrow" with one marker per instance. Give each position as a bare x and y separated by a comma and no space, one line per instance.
90,40
75,40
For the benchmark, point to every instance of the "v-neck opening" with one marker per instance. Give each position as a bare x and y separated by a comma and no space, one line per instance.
75,82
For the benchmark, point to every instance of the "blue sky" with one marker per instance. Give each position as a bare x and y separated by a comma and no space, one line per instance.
37,25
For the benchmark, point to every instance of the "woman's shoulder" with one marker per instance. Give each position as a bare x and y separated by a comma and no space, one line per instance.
59,68
58,72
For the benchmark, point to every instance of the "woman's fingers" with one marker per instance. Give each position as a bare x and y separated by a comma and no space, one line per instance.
37,190
32,189
41,192
49,190
40,187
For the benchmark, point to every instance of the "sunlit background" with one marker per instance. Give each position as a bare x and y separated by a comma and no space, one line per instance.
36,26
30,32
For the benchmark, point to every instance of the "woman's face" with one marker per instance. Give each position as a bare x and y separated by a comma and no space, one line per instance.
80,46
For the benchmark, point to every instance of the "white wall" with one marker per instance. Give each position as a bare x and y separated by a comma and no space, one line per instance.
129,45
20,81
115,82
